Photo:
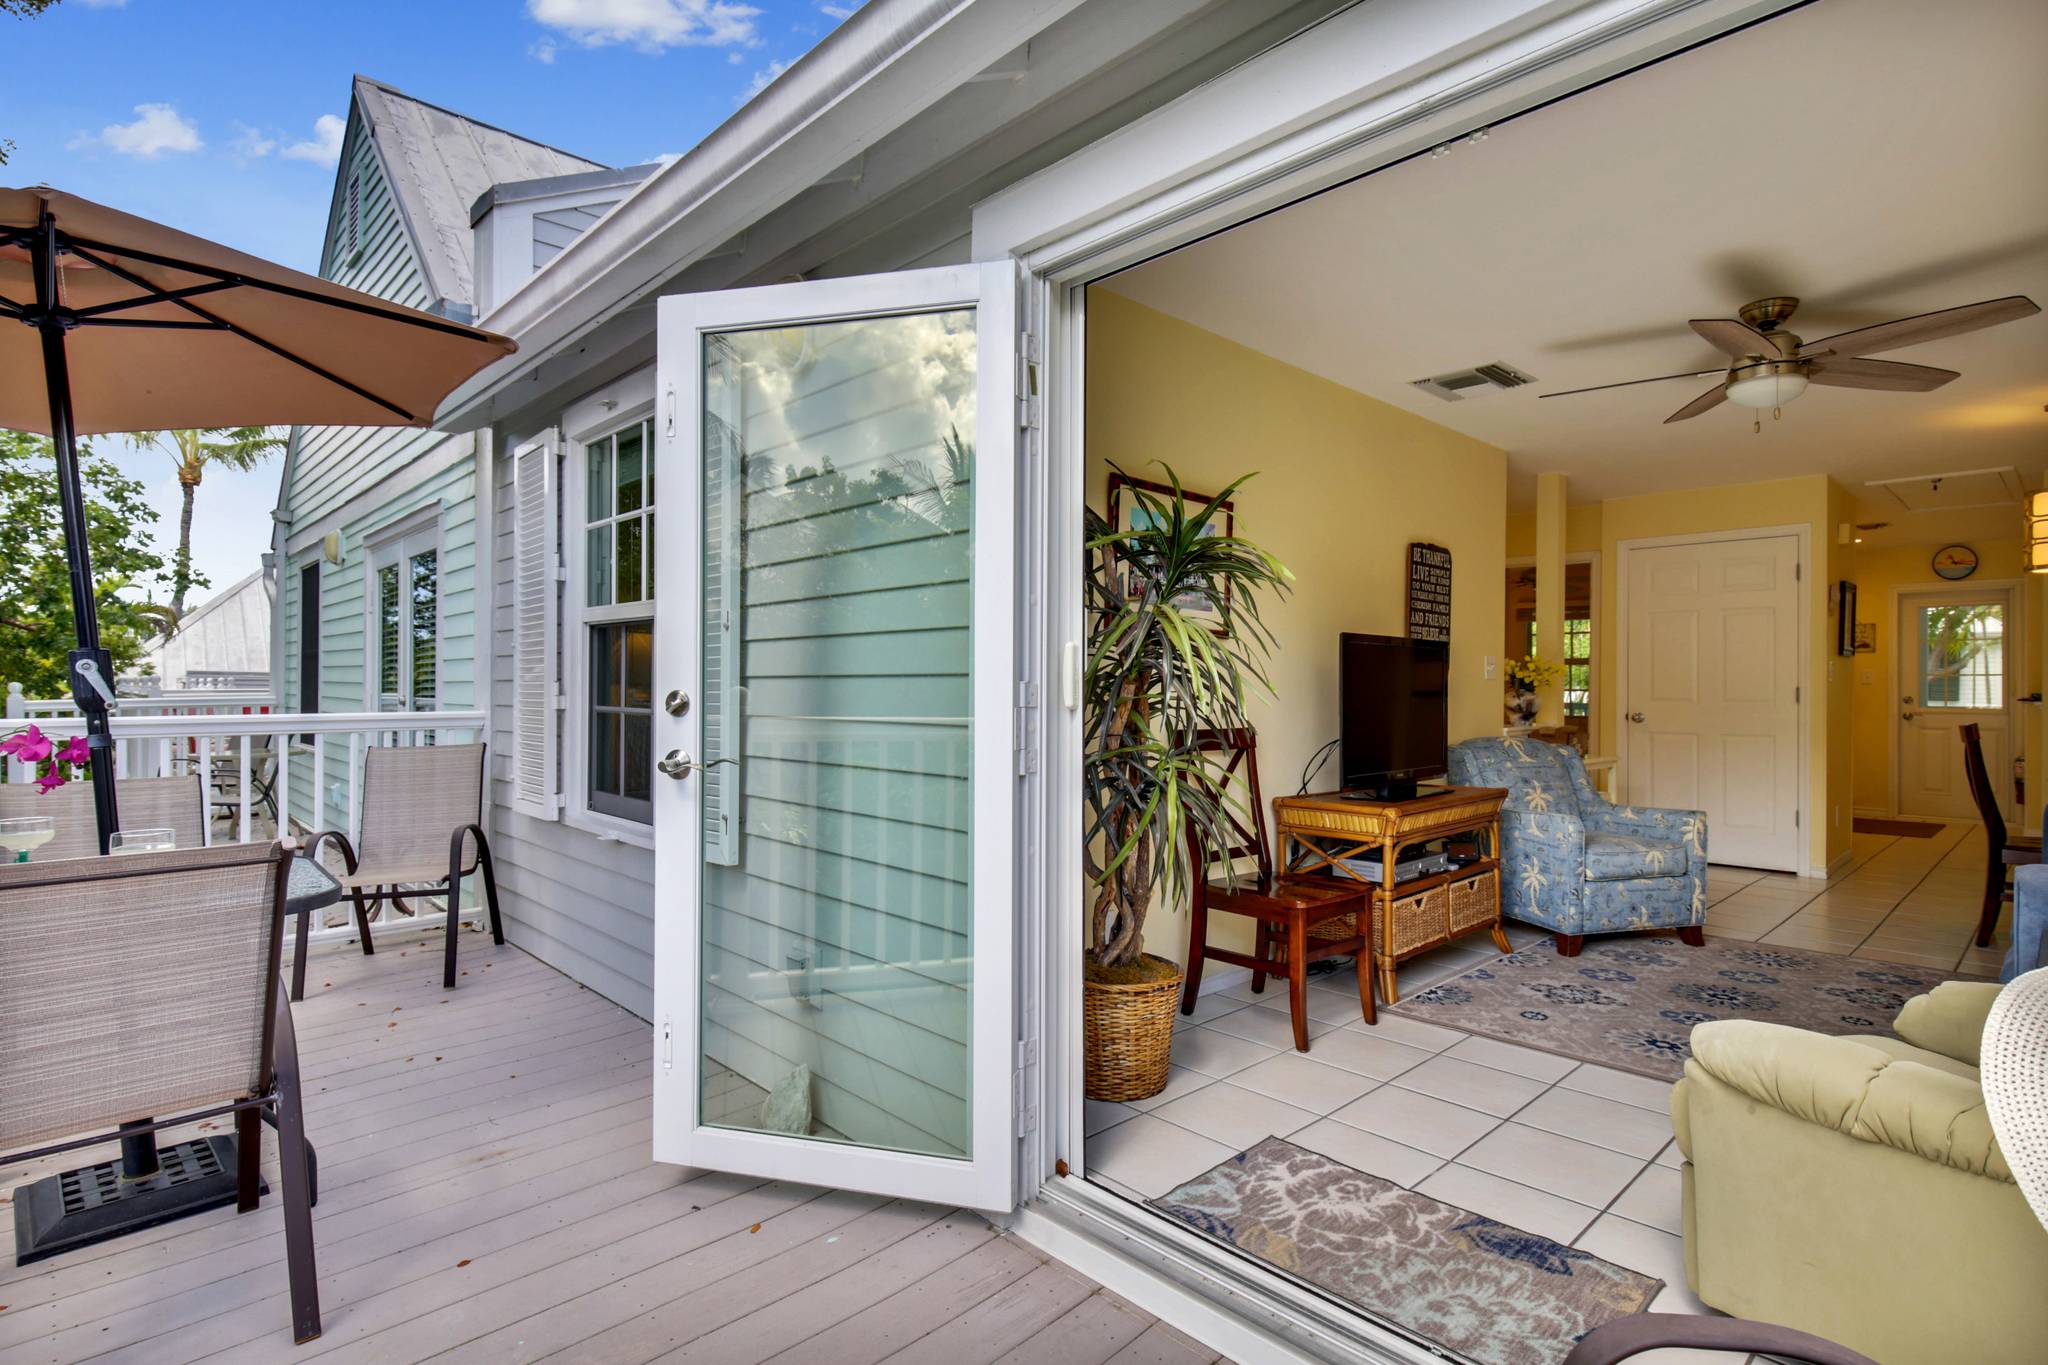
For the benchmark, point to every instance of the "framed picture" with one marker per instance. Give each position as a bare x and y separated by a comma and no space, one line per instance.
1866,637
1845,619
1126,512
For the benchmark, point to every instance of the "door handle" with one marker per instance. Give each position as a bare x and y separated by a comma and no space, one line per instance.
1637,717
679,765
1907,715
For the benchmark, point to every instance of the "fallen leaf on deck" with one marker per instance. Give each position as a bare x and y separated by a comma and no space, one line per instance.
755,1228
461,1263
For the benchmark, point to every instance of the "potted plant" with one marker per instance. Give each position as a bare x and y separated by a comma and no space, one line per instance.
1175,642
1525,678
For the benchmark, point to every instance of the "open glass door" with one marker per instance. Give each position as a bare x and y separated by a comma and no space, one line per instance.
833,993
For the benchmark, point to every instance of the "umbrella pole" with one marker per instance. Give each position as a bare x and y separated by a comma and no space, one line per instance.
53,321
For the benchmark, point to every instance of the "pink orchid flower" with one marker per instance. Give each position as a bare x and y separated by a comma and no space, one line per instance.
50,781
29,745
75,751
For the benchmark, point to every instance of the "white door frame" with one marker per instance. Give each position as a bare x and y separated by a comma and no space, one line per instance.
2015,653
986,1179
1803,533
1375,85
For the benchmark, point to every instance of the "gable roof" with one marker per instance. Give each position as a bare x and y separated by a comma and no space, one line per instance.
438,163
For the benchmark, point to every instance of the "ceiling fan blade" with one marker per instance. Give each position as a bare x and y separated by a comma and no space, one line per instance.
1889,336
1627,383
1736,338
1712,398
1889,375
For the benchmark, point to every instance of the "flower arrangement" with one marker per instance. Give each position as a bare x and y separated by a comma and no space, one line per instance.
1525,678
30,745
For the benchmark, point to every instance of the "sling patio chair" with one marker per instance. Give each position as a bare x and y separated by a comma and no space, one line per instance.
177,804
138,987
421,833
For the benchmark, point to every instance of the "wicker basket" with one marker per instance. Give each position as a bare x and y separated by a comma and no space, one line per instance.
1127,1037
1472,902
1419,921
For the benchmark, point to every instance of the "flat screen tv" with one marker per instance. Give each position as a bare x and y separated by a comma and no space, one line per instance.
1393,692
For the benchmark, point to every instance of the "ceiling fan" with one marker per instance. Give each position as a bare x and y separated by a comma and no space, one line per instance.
1769,366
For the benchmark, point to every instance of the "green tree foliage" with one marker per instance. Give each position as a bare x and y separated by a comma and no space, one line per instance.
237,448
36,627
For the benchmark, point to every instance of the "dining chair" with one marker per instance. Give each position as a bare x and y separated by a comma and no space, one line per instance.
177,804
1288,911
2004,851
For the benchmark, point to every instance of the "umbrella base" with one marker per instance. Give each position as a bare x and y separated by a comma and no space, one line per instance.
93,1203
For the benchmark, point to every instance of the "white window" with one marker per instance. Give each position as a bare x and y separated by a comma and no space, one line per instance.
608,650
404,609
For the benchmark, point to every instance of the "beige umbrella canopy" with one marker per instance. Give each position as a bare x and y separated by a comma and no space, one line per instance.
134,326
173,331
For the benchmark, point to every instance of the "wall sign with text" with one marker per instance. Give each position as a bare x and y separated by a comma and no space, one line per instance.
1429,591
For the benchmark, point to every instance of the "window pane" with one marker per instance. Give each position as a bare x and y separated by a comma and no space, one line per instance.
629,560
387,630
598,560
604,753
598,501
426,615
639,651
1962,656
837,946
604,666
628,443
636,772
647,444
647,553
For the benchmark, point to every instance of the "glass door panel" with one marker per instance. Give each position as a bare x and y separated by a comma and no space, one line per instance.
833,935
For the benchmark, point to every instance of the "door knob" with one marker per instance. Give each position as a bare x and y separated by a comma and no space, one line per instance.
1636,716
1907,715
679,765
677,702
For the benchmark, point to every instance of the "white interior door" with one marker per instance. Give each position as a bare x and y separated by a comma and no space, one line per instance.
1710,713
1954,668
833,993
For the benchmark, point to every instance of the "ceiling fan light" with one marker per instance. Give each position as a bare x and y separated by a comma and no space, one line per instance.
1770,388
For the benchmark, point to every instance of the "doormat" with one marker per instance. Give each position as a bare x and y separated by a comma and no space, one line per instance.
1630,1002
1490,1292
1898,829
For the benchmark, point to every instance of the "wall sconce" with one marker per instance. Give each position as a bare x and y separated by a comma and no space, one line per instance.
2037,532
330,547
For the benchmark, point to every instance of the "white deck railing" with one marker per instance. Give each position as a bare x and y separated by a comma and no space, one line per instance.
315,778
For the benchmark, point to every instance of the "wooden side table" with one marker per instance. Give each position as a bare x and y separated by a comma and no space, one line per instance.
1320,833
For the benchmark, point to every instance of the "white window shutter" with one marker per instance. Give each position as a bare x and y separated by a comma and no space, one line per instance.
723,782
536,599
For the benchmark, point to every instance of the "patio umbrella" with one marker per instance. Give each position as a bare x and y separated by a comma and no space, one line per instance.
134,326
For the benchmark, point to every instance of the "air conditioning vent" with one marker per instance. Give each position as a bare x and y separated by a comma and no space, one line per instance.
1458,385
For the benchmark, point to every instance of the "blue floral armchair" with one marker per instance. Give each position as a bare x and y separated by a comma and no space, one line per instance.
1576,863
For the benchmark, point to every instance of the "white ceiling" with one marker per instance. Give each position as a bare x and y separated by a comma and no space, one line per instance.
1876,158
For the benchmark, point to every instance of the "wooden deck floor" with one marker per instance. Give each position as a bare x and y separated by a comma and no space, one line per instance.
486,1195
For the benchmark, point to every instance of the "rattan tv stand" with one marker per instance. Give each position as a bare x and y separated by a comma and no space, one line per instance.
1318,832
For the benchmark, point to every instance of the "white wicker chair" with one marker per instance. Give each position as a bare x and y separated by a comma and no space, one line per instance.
422,833
133,988
174,803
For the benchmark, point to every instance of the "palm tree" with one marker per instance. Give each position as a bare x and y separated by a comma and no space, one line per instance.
238,448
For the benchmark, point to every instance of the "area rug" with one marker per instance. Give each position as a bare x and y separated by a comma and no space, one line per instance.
1900,829
1630,1002
1492,1293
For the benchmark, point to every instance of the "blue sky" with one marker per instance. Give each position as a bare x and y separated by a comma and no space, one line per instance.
223,118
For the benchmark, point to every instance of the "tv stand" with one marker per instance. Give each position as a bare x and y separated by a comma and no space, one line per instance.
1320,833
1396,789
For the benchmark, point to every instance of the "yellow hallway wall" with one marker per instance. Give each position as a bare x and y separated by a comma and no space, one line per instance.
1344,483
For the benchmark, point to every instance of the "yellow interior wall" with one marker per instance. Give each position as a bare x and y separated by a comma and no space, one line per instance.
1812,501
1880,570
1343,483
1581,531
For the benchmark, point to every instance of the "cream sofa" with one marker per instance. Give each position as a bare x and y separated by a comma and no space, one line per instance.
1852,1188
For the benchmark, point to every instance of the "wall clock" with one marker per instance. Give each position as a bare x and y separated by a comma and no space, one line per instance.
1955,562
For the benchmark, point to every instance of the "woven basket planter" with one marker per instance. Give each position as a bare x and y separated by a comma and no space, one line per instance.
1127,1036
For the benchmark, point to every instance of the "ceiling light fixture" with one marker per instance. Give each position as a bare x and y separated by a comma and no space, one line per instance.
1772,384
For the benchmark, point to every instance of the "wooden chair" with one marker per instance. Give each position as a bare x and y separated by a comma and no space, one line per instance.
1286,909
421,804
138,987
2005,851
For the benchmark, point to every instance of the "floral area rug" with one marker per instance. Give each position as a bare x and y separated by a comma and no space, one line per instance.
1630,1002
1493,1293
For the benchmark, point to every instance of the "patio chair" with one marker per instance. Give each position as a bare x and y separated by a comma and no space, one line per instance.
422,833
2004,851
174,803
226,781
133,988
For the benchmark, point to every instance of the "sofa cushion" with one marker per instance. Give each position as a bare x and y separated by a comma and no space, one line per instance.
1901,1051
1627,857
1949,1019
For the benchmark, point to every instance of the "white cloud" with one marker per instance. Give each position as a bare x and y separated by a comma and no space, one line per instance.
543,51
649,25
762,80
325,144
250,143
838,11
158,128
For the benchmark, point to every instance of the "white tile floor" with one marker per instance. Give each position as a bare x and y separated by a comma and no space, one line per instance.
1578,1152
